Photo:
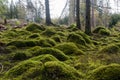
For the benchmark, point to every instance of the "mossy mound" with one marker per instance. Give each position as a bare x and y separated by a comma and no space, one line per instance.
98,29
104,32
85,37
34,27
21,68
35,35
69,49
27,43
57,38
20,55
76,38
109,72
45,42
49,32
55,52
56,70
110,49
45,58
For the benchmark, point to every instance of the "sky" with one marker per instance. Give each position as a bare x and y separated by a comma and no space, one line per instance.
56,7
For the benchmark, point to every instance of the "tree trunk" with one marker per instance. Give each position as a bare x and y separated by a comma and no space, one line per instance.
48,19
78,14
88,20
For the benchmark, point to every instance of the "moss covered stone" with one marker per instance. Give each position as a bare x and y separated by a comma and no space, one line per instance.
21,68
44,58
57,38
49,32
109,72
98,29
110,49
55,52
104,32
76,38
34,27
56,70
69,49
35,35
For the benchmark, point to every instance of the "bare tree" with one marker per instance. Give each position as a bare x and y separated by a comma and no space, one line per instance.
78,14
88,20
48,18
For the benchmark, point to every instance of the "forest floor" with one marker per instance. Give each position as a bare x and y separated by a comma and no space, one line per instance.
38,52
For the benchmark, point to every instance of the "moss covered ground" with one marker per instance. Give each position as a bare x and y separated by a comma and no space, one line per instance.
38,52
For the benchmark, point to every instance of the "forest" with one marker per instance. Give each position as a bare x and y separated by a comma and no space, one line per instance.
82,43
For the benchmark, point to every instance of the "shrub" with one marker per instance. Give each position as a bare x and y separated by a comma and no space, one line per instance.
76,39
104,32
115,18
49,32
21,68
34,27
56,70
45,58
110,49
35,35
69,48
109,72
98,29
55,52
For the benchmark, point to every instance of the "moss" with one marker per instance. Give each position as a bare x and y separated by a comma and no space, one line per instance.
20,55
73,37
35,35
56,70
34,49
60,33
45,58
69,49
28,43
55,52
85,37
110,49
34,27
49,32
11,48
104,32
45,42
57,38
109,72
21,68
98,29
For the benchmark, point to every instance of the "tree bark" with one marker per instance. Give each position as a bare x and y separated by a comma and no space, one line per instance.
88,20
78,14
48,18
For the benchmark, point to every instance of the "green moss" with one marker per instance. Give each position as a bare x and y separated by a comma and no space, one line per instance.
73,37
57,38
109,72
45,42
69,49
21,68
49,32
45,58
35,35
20,55
34,49
34,27
56,70
55,52
110,49
98,29
104,32
85,37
